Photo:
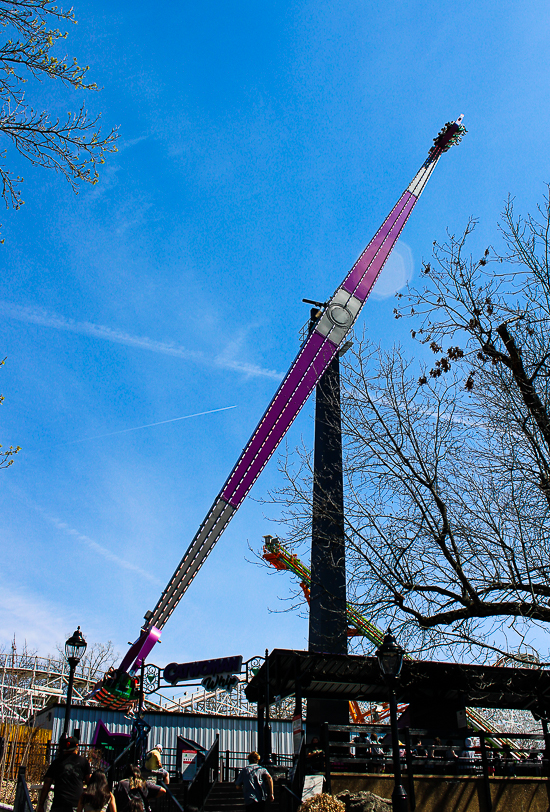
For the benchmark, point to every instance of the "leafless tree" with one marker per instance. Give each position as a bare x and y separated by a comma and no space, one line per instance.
448,461
6,457
71,144
98,658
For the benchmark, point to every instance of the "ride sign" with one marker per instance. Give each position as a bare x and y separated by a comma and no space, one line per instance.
225,681
222,669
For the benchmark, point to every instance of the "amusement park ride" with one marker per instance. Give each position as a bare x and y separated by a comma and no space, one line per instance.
282,559
118,689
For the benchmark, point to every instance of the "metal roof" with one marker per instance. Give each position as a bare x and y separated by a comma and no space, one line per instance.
237,734
348,676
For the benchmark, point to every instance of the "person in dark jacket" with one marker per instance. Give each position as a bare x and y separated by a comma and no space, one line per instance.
68,773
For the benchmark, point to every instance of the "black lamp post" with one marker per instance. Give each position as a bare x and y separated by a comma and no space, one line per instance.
74,651
267,760
390,659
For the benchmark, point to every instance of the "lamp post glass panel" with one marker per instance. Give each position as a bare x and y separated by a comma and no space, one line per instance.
74,651
390,659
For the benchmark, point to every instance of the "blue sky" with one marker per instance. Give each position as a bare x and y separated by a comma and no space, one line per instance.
261,145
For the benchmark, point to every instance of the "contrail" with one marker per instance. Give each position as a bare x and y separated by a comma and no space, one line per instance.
31,315
150,425
99,548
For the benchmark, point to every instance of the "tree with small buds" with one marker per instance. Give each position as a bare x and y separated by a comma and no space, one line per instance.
6,456
447,458
71,144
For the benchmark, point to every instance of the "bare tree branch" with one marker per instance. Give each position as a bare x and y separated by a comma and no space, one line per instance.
6,457
71,145
448,464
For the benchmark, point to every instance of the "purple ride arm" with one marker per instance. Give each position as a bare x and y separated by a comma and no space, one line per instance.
314,357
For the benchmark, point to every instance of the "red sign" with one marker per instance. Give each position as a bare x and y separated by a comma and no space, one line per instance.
188,764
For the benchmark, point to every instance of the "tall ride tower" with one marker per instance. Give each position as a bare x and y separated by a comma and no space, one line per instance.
316,354
327,610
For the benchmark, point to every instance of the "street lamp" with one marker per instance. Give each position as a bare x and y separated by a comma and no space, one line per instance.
390,659
74,651
267,760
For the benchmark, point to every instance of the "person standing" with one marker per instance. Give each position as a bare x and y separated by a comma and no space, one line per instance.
135,790
257,784
376,754
362,749
68,773
97,796
467,756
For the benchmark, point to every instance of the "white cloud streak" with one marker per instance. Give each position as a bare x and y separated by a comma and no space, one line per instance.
150,425
43,318
100,550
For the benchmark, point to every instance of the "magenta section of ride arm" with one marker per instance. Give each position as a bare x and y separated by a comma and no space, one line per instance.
363,274
312,361
367,282
273,413
140,649
302,393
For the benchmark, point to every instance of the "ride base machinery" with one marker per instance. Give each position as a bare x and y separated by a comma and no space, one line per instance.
118,690
276,554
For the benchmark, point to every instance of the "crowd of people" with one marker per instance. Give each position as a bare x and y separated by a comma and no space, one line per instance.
77,787
374,755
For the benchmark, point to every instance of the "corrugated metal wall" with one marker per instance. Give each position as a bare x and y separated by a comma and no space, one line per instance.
237,734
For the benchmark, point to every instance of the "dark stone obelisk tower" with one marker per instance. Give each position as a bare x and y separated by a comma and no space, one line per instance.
327,613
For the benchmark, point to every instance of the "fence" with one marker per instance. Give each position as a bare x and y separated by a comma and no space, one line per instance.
504,754
32,749
232,762
21,746
290,792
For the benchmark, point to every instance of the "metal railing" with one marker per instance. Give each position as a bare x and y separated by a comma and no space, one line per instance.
291,795
206,777
233,761
422,754
171,797
22,801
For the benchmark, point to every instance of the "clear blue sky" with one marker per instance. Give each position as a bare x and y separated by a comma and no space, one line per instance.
261,144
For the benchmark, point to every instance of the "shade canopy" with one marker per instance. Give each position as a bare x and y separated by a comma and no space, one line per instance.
349,676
